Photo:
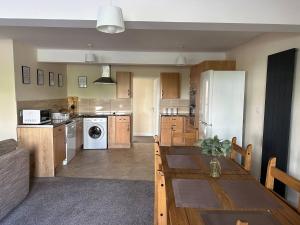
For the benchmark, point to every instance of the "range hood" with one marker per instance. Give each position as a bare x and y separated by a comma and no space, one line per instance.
105,76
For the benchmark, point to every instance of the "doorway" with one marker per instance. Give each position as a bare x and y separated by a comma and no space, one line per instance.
145,105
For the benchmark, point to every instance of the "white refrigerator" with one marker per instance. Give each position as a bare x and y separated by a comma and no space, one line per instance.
222,104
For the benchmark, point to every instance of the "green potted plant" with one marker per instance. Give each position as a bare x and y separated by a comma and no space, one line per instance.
216,148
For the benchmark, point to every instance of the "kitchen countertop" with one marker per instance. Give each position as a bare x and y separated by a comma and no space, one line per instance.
178,114
53,124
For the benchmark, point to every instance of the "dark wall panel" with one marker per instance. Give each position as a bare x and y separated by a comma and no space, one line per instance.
279,90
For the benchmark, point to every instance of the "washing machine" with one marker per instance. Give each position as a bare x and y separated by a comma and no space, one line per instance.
95,133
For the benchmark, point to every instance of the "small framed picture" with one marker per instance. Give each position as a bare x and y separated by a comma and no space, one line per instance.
26,75
60,80
40,77
51,79
82,81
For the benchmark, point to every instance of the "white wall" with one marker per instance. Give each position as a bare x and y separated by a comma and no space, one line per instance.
126,57
25,55
252,57
8,108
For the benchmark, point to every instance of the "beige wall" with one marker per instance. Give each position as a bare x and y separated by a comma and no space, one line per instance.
109,91
8,108
93,90
252,57
25,55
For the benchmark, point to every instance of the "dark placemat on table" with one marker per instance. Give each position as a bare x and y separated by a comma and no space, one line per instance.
248,194
184,150
181,162
190,193
230,218
226,164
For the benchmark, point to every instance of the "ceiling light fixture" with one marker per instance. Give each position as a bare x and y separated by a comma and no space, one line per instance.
110,19
181,59
90,57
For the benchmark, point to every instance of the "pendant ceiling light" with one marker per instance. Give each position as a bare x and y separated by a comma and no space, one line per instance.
181,59
90,57
110,19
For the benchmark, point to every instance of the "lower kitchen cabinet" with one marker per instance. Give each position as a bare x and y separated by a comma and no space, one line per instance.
169,125
46,146
119,132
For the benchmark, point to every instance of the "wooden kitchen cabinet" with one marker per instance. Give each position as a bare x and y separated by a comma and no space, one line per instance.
46,146
169,124
123,84
119,132
59,145
170,85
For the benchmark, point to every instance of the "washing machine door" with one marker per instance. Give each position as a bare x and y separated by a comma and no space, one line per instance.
95,132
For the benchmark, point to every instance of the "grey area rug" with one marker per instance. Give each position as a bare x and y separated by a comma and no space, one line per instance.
79,201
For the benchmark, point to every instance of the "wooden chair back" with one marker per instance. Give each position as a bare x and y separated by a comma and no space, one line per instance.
275,173
189,137
245,153
160,196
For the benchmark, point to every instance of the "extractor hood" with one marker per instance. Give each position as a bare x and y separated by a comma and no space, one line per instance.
105,76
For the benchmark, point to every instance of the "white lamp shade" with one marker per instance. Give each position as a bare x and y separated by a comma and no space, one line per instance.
90,58
110,20
180,60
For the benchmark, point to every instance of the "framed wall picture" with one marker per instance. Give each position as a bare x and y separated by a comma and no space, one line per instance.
82,81
60,78
26,75
51,79
40,77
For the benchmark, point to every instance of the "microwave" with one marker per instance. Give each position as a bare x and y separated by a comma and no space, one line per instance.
36,116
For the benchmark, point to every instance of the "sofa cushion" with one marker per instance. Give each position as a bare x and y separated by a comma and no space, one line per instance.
7,146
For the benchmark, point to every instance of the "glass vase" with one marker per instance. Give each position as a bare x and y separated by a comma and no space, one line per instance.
215,168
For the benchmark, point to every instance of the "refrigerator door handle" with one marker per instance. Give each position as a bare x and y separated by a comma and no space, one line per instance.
206,124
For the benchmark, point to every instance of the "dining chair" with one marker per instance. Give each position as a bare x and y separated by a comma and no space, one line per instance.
160,196
188,137
275,173
245,153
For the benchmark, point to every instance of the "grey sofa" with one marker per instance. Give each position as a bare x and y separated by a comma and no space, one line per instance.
14,175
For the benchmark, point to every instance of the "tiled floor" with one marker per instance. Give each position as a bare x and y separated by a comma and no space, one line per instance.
142,139
128,164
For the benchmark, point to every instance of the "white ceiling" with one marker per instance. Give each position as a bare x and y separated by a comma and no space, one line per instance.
130,40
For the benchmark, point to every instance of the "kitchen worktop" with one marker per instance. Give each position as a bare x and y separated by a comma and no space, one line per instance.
53,124
178,114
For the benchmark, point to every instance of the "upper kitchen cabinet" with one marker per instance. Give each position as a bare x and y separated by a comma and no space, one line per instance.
170,85
124,84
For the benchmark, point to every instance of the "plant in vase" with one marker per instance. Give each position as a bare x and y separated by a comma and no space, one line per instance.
216,148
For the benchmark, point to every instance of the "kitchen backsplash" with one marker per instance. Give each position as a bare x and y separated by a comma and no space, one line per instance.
53,104
90,105
181,104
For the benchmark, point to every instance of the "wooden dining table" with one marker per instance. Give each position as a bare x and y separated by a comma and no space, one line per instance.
193,197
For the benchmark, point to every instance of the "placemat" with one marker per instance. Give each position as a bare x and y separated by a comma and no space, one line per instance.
194,194
248,194
227,165
181,162
230,218
184,150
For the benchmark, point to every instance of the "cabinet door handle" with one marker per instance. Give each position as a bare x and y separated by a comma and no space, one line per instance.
162,92
129,93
